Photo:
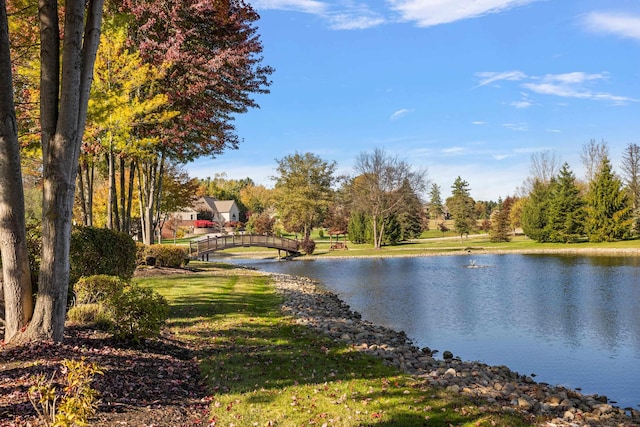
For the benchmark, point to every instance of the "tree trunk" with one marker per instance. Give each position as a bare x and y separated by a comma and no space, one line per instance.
85,190
63,123
13,248
150,185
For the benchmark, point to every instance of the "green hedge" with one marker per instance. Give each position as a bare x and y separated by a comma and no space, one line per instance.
96,251
162,255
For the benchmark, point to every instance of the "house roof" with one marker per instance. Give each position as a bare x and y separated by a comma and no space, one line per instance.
224,205
211,204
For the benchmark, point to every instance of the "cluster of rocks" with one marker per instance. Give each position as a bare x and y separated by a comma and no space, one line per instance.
324,311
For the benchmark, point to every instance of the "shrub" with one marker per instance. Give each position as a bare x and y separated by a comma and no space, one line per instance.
164,255
308,246
101,251
72,405
137,313
97,289
91,315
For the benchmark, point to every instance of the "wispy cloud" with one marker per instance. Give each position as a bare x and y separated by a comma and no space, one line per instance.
477,122
579,85
427,13
305,6
620,24
453,150
400,113
350,15
520,127
488,77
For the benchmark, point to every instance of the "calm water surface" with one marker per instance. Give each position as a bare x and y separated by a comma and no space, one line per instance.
572,321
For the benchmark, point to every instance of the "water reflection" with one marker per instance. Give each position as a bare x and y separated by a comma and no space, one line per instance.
571,320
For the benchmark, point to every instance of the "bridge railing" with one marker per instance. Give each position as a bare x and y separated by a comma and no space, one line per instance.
216,243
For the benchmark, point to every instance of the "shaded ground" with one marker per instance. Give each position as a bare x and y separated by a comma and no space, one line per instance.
153,384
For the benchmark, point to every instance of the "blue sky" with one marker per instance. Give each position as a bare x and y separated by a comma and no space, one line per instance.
466,88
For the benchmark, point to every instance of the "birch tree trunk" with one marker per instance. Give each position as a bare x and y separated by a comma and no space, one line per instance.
13,248
63,110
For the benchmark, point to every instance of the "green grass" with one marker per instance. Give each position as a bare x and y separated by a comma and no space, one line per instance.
263,369
451,245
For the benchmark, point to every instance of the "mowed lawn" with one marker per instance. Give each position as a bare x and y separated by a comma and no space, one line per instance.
261,369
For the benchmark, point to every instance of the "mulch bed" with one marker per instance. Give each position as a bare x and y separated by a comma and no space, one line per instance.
156,383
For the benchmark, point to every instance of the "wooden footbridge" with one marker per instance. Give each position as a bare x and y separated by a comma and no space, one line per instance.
203,247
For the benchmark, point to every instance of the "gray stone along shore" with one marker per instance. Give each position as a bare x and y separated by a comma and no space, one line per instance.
322,310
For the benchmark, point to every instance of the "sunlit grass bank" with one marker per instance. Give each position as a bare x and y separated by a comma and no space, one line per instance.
262,369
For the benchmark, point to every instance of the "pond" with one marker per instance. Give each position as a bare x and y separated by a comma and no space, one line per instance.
569,320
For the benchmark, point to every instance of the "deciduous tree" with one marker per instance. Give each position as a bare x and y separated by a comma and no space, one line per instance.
16,277
65,81
213,54
303,190
592,155
375,190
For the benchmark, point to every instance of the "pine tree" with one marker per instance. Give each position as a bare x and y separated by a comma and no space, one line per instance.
500,230
436,210
534,212
461,206
565,211
609,211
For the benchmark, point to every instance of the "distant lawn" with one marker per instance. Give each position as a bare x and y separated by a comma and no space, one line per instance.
261,368
450,245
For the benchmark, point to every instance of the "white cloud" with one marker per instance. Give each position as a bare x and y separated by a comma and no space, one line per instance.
340,17
488,77
501,156
566,85
620,24
521,127
478,123
400,113
307,6
522,104
453,150
434,12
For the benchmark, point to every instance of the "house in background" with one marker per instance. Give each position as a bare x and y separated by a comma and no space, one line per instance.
207,215
220,211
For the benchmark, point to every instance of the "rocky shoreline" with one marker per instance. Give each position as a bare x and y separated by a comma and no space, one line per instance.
322,310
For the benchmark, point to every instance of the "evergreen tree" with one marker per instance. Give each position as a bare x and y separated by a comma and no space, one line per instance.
609,210
500,230
534,213
436,210
565,210
357,227
461,206
410,215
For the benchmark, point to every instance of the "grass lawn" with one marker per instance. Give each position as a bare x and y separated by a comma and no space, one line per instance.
262,369
450,245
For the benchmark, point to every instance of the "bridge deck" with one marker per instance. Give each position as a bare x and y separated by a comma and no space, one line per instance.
210,244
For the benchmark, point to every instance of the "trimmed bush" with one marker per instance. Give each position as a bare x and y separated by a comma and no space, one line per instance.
89,314
308,246
97,289
101,251
137,313
164,255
